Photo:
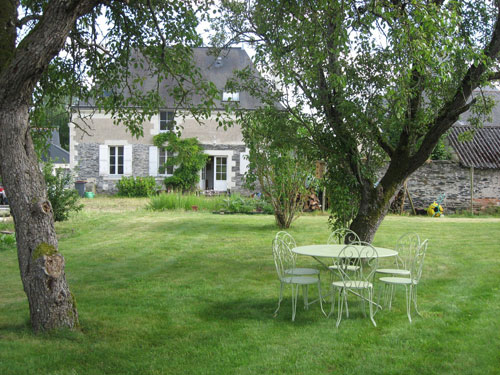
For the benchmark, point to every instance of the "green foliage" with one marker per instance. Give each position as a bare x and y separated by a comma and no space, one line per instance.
441,152
372,82
7,242
136,186
178,201
277,165
188,160
155,37
63,198
45,120
239,204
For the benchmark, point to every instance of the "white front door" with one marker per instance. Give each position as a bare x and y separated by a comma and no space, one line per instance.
220,173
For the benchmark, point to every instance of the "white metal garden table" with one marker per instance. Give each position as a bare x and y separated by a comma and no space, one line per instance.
333,251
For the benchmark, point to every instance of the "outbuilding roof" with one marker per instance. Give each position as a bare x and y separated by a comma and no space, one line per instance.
483,151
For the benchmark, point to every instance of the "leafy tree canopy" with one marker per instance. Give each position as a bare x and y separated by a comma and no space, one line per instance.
372,81
102,61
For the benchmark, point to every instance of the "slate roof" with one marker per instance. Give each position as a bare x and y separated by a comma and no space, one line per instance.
214,69
483,151
55,152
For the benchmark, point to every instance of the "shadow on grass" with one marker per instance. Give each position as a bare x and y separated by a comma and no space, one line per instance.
260,309
16,328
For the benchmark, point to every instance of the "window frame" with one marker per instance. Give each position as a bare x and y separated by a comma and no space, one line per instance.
231,96
114,160
169,171
168,121
221,168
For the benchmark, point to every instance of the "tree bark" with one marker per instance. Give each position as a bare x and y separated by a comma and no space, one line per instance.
41,265
374,205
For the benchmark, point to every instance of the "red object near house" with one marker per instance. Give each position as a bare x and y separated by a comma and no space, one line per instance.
3,196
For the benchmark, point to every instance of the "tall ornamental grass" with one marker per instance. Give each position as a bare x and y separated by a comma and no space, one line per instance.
177,201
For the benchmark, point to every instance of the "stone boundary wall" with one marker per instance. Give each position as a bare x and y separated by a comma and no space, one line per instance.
438,176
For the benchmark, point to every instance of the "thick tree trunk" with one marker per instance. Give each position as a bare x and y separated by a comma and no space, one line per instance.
21,66
41,265
375,203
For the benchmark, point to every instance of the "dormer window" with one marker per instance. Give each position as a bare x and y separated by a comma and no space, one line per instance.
218,62
167,122
230,96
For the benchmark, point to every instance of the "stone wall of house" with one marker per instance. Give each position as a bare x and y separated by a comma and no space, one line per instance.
437,177
87,169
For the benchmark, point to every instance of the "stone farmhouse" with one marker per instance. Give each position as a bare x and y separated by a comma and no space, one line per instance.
108,152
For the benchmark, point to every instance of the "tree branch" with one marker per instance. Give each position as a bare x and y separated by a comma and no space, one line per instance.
25,20
458,104
493,76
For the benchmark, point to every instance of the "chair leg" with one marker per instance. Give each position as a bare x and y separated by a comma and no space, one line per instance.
340,305
363,305
295,294
370,296
279,300
414,289
320,297
345,302
391,295
408,302
304,292
332,307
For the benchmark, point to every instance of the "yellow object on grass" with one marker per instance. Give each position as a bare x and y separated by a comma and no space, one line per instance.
435,209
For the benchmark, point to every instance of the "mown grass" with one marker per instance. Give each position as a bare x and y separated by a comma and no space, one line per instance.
194,293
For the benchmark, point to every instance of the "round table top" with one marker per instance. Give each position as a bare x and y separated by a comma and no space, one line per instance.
332,251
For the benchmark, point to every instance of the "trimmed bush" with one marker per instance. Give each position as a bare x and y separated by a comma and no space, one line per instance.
136,186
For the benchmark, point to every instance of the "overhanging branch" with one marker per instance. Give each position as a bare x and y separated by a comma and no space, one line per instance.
25,20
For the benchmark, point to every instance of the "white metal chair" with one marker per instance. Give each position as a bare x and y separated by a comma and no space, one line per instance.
406,246
284,260
358,282
342,236
410,283
290,242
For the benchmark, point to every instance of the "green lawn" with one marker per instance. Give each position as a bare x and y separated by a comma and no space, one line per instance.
194,293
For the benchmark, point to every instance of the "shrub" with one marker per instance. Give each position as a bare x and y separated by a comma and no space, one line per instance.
7,242
62,196
136,186
279,168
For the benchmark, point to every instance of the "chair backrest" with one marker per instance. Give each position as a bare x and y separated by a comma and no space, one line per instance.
406,246
342,236
363,256
286,238
417,263
284,258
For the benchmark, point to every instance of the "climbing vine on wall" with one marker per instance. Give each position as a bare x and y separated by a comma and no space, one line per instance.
188,159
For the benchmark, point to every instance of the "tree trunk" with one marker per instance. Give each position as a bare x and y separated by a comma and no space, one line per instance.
374,205
41,265
21,66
